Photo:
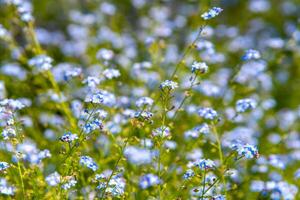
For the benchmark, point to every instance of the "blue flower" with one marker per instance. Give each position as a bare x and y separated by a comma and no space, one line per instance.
196,131
188,174
244,105
208,113
92,81
4,34
115,187
88,162
70,73
215,11
41,63
111,73
92,126
143,115
3,166
5,188
297,174
149,180
162,131
31,153
246,150
219,197
53,179
204,164
71,183
202,128
105,54
12,104
68,137
101,97
170,85
144,101
257,186
8,132
251,54
138,156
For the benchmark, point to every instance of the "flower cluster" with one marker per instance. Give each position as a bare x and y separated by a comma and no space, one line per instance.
53,179
88,162
69,184
41,63
199,66
142,99
251,54
208,113
163,132
244,105
204,164
215,11
170,85
68,137
101,97
149,180
3,166
138,156
246,150
275,189
5,188
114,187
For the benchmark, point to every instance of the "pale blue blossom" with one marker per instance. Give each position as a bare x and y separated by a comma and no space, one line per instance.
149,180
215,11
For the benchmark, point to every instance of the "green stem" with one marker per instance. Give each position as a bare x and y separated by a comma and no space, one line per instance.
159,171
214,130
63,106
218,179
81,139
186,96
187,51
204,182
114,169
21,178
165,99
182,57
214,183
35,41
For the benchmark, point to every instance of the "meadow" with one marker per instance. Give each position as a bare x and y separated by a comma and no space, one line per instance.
150,99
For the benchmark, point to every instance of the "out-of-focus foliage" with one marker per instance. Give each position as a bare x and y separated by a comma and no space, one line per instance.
148,99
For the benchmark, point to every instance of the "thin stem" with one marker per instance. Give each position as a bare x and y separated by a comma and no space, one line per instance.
35,41
180,190
165,99
204,182
234,74
187,50
21,178
186,96
19,165
114,169
79,136
63,106
214,130
218,179
214,183
12,45
185,53
159,171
